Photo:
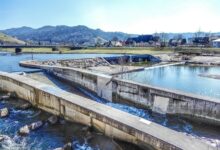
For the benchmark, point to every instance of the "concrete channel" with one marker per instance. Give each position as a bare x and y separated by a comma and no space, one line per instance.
108,120
160,100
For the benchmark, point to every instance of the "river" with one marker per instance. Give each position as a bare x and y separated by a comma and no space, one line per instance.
185,78
49,136
206,133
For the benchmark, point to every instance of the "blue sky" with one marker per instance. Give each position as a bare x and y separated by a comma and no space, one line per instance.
131,16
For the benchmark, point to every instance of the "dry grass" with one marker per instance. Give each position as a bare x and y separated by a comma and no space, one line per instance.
94,50
133,50
8,39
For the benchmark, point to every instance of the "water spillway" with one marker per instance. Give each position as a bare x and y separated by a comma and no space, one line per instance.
55,136
176,123
161,100
49,136
209,134
111,122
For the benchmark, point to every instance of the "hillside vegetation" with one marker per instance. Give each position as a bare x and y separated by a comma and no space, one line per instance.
81,35
8,40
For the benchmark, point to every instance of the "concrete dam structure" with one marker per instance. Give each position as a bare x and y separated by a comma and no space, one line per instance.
108,120
160,100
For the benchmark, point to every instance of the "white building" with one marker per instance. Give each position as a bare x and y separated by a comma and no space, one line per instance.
116,44
216,43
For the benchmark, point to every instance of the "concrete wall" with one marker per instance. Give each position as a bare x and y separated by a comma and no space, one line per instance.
110,121
160,100
167,101
144,96
132,58
97,83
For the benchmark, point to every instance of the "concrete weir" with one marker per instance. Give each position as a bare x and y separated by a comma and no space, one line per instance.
160,100
108,120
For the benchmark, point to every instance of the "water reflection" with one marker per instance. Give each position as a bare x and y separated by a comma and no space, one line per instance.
10,63
181,77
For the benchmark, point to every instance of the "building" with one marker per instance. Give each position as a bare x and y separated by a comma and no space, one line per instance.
141,38
113,44
216,43
201,41
177,42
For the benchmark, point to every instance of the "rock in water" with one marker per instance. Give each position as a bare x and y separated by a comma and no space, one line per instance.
67,146
4,112
24,130
36,125
52,119
60,148
1,138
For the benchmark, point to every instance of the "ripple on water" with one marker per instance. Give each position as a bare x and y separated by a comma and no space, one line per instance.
49,136
11,144
209,135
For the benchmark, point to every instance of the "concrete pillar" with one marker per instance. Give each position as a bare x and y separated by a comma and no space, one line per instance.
104,87
160,104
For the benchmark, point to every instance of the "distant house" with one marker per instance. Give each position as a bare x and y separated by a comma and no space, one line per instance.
177,42
201,41
116,43
216,43
113,44
141,38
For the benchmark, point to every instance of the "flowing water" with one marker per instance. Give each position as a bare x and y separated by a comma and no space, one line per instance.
49,136
60,134
208,134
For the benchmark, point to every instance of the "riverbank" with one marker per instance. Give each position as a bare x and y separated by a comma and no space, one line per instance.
191,59
113,50
146,50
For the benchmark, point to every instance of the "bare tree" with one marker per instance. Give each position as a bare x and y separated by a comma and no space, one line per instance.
115,38
163,39
178,37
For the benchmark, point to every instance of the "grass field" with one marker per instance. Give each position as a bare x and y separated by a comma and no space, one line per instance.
94,50
133,50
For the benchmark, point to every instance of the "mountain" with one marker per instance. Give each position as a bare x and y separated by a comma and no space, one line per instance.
8,40
78,35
